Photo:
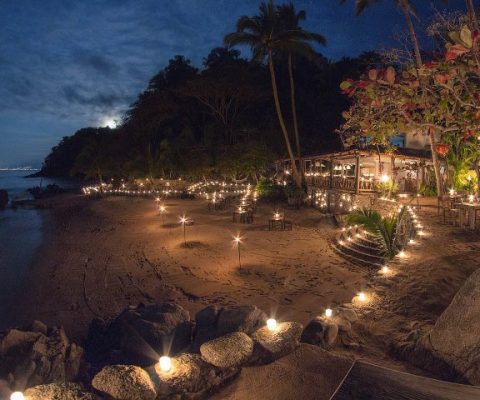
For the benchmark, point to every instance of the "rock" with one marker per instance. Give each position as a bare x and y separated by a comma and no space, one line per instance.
3,198
38,326
343,324
270,346
231,350
33,358
138,335
58,391
213,322
191,376
348,314
125,382
320,332
454,339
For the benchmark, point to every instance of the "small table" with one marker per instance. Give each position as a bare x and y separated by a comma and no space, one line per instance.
276,223
244,215
468,217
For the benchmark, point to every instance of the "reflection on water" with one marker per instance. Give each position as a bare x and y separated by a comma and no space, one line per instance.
20,236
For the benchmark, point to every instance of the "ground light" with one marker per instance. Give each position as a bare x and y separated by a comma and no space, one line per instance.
183,221
238,241
328,312
272,324
165,363
17,396
362,297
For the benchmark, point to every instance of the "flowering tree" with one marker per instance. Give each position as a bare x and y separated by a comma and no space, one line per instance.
440,99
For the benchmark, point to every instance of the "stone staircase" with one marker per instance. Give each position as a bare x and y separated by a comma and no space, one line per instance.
358,247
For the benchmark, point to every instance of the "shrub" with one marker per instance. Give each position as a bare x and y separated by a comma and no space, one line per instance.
292,191
268,190
428,190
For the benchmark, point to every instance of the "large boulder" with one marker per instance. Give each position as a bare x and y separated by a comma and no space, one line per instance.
321,332
270,346
3,199
455,338
125,382
140,335
231,350
58,391
191,377
214,321
33,356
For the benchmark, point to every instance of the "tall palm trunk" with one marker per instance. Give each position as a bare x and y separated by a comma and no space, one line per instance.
413,36
296,175
436,164
419,63
294,114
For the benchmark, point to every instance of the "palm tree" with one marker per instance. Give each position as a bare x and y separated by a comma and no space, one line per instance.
296,41
265,37
408,11
472,14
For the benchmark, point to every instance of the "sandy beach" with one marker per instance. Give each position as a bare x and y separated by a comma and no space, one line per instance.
100,256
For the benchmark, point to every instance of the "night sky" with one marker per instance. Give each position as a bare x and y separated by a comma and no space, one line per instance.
71,64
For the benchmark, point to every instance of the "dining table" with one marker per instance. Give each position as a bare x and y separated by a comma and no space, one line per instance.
467,217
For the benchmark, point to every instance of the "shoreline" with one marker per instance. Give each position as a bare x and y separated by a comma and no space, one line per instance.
101,256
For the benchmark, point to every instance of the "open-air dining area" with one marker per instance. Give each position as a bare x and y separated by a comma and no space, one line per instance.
233,200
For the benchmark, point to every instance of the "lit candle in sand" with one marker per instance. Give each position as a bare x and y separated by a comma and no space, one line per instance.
17,396
328,312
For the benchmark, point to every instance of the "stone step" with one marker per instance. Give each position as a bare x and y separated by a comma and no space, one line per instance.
347,248
355,260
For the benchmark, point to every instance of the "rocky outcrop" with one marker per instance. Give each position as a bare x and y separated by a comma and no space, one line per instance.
35,355
321,332
125,382
271,345
231,350
191,377
214,321
455,338
58,391
140,335
3,199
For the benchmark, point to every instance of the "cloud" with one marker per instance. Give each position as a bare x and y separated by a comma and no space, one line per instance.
74,62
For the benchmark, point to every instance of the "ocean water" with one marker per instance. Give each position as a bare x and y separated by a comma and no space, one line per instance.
20,236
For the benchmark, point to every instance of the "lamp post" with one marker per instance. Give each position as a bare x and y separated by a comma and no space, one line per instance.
162,209
238,241
183,221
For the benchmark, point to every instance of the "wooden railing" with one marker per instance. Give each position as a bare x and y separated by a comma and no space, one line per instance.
341,183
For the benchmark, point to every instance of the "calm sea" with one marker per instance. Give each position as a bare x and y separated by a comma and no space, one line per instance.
20,236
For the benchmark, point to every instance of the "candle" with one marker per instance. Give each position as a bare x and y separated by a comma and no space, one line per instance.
328,312
165,363
271,324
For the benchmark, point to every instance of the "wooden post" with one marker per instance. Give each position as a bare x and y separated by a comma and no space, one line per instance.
357,174
331,173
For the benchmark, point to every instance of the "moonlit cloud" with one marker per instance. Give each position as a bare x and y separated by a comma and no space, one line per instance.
69,64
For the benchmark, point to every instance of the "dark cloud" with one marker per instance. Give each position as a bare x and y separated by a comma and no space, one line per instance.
67,64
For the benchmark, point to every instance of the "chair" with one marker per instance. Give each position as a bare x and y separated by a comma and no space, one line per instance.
477,218
451,216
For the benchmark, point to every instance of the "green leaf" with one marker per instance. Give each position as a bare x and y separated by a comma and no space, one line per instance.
345,85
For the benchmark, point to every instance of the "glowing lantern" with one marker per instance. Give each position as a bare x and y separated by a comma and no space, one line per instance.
165,363
272,324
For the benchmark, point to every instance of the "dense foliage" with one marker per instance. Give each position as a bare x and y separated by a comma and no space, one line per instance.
218,120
